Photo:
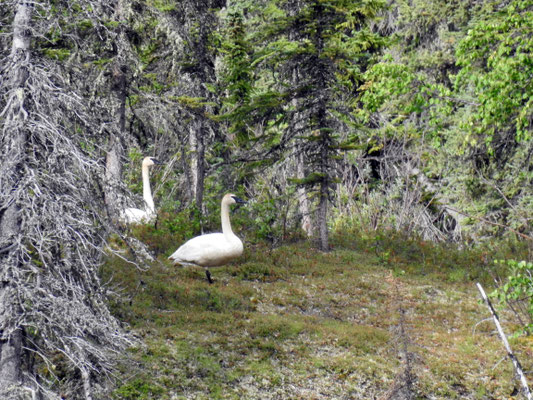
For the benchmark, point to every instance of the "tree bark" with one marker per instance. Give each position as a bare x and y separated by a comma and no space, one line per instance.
115,152
322,220
323,216
322,125
197,146
303,200
193,161
14,138
10,355
114,156
304,204
87,388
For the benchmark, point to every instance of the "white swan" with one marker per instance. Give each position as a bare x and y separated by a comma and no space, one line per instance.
135,215
212,249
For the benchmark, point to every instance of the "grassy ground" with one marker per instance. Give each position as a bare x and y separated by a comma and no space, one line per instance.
364,321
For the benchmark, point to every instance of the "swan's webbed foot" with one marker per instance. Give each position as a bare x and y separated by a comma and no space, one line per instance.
208,275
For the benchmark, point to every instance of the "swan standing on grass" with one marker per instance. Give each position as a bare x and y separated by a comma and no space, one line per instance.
134,215
212,249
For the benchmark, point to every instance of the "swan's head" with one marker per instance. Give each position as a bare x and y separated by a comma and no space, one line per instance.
149,161
232,199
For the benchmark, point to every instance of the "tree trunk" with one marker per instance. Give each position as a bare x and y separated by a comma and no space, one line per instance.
304,204
114,155
325,138
200,168
87,388
323,204
193,161
15,136
116,148
303,200
197,146
10,352
322,220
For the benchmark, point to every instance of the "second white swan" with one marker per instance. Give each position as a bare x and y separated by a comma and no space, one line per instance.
135,215
212,249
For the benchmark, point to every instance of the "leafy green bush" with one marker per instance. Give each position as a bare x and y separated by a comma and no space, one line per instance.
517,291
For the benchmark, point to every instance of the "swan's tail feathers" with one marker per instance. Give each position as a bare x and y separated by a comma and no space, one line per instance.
180,263
174,261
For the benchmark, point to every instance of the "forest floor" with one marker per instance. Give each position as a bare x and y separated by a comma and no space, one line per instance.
359,322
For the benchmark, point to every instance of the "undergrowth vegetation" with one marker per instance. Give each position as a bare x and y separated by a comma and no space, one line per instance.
291,322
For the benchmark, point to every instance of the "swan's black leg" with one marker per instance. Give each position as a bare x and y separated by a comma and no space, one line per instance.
208,274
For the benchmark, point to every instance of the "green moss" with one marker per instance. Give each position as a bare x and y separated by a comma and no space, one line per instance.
163,5
276,317
276,326
360,339
138,389
258,271
57,54
102,62
85,24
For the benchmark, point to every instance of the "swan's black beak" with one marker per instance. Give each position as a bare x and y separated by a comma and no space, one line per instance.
156,161
238,200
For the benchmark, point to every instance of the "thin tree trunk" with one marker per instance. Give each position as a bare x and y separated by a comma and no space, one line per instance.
87,387
197,165
200,168
322,221
323,202
322,124
113,175
10,357
304,204
116,148
15,136
193,163
303,200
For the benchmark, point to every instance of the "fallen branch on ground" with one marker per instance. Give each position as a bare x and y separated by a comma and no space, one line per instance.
516,363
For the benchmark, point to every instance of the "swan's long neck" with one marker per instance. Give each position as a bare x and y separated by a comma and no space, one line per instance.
147,191
226,224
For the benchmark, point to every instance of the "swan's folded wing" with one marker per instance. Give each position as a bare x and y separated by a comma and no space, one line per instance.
208,250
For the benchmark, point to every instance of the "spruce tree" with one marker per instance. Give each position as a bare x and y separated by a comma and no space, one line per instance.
316,51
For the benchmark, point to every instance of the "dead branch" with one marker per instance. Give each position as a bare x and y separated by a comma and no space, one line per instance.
503,337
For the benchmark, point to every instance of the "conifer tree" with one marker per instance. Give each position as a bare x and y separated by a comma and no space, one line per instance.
237,76
317,50
57,334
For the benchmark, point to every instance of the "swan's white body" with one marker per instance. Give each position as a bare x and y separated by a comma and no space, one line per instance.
212,249
135,215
